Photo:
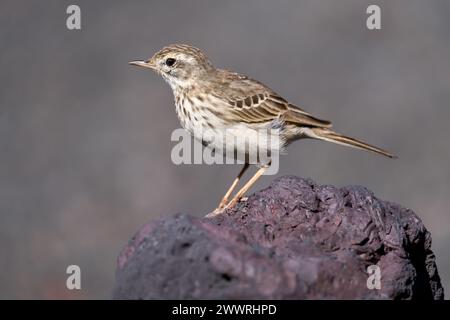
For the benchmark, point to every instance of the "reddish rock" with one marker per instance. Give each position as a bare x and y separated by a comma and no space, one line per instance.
292,240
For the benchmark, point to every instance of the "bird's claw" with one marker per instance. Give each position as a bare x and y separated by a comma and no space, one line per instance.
216,212
223,206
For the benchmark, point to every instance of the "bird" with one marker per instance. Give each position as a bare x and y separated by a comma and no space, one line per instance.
220,100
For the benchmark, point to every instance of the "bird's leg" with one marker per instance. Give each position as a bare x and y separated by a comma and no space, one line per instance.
247,186
224,200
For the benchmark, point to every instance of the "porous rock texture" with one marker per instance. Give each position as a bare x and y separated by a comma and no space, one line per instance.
293,240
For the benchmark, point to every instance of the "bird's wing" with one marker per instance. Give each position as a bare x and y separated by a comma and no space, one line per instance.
252,102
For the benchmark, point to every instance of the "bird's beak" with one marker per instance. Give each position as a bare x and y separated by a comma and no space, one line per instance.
141,63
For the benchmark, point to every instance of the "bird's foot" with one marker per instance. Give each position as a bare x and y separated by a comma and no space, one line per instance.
223,206
234,201
216,212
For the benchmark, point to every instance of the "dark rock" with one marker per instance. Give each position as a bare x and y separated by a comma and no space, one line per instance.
292,240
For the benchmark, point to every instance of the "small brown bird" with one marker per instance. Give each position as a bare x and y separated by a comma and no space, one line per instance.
220,100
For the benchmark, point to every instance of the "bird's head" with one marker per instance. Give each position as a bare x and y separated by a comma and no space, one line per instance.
180,65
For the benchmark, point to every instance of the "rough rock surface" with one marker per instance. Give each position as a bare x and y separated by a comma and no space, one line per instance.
293,240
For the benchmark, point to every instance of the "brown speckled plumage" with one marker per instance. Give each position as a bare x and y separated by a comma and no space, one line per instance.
210,98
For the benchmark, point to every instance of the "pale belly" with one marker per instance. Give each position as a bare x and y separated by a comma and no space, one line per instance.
252,143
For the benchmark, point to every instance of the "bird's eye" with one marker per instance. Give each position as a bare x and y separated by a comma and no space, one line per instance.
170,62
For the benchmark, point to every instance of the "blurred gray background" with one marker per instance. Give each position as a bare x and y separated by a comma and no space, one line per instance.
85,138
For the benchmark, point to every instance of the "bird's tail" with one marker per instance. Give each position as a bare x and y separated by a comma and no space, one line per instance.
331,136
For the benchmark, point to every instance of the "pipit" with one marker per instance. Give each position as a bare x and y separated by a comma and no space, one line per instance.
220,100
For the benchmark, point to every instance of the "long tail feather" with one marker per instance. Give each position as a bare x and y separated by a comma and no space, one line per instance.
331,136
